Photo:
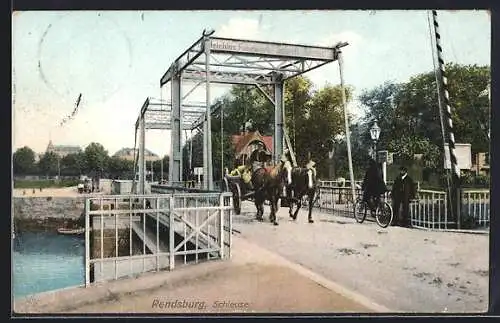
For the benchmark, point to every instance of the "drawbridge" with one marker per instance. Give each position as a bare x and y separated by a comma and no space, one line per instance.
169,225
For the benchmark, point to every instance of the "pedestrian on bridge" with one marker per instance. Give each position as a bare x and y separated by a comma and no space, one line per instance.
403,190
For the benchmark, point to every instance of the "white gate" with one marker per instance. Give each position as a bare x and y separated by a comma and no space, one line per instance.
126,235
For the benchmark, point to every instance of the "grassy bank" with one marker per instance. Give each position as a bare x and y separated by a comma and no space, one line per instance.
45,183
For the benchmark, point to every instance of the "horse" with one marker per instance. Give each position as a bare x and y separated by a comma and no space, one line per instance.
303,183
268,183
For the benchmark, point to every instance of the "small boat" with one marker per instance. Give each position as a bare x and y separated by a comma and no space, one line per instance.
71,231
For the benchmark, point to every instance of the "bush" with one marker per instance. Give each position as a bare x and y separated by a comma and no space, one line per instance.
468,222
467,178
45,183
482,180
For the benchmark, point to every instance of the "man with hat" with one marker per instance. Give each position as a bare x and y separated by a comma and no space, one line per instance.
403,190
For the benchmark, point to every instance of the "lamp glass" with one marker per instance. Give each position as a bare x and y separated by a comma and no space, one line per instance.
375,131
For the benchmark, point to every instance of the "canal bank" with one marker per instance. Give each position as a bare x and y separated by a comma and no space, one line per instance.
44,259
119,232
47,213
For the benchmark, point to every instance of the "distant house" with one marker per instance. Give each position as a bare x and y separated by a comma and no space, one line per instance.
481,163
38,156
128,154
62,150
246,142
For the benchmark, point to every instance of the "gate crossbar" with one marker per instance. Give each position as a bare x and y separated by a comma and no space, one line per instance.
196,229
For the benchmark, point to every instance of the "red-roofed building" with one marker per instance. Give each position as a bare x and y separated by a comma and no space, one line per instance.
245,143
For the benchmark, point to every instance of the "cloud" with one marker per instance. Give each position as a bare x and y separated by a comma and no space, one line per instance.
241,28
329,73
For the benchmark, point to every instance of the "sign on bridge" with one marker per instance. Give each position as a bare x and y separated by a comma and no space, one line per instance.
385,156
271,49
463,153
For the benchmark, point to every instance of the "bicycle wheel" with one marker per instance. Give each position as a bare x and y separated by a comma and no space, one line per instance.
384,215
360,211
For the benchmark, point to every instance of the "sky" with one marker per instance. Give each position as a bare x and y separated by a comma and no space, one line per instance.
115,59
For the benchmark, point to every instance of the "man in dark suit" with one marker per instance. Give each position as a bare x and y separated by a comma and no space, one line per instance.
373,185
402,192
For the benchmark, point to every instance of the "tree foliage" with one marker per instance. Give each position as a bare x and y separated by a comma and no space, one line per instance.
409,117
23,161
120,168
96,158
93,161
48,164
311,117
407,113
158,168
70,165
325,121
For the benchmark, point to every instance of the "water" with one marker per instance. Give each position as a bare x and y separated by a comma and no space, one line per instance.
46,261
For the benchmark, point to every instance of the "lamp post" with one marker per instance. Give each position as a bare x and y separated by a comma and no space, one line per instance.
374,134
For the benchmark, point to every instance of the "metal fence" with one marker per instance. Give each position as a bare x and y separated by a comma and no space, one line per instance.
187,186
339,183
475,207
131,234
429,210
336,199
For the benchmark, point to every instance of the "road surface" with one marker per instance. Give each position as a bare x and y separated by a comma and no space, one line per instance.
408,270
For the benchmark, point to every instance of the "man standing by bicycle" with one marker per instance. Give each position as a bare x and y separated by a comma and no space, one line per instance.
403,191
373,185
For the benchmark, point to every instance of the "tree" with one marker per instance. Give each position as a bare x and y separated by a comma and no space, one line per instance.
120,168
359,152
96,158
81,162
157,169
380,105
69,165
227,151
324,120
298,95
246,104
408,113
23,161
48,164
197,152
470,110
166,163
409,146
308,117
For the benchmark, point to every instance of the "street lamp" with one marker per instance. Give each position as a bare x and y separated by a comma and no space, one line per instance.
374,134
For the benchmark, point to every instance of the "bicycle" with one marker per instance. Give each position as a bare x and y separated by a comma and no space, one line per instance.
383,211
